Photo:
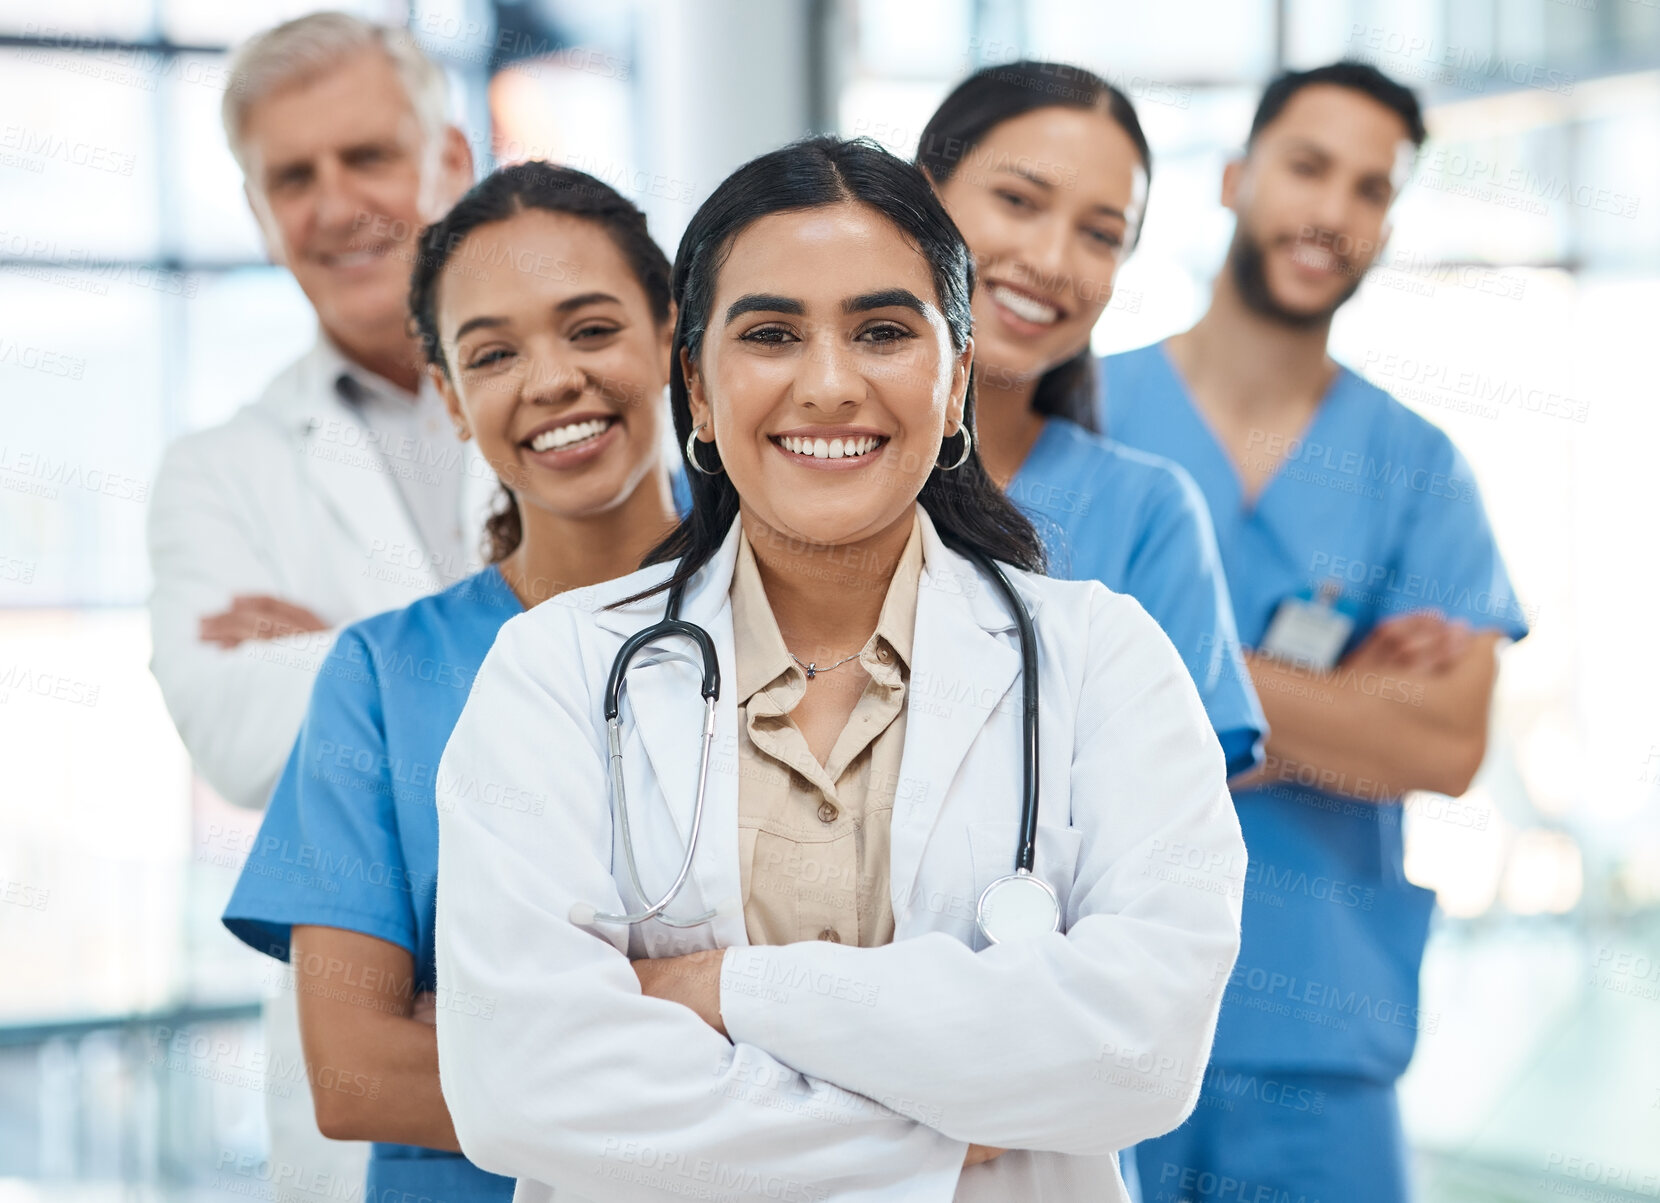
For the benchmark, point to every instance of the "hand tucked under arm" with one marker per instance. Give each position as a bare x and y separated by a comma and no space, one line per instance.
527,1100
236,713
1421,642
1141,966
693,980
1407,709
257,617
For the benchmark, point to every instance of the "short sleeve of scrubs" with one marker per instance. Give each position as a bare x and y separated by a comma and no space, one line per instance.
1138,524
1175,572
328,851
1448,559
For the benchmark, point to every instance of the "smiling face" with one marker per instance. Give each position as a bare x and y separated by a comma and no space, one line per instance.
826,374
1049,203
342,177
556,364
1312,201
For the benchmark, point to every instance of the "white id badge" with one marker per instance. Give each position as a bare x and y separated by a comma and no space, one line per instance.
1308,631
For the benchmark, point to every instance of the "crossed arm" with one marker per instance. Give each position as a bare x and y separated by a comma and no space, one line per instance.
371,1047
1408,706
237,680
1407,709
585,1049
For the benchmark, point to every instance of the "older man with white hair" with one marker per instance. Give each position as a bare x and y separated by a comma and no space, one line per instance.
342,491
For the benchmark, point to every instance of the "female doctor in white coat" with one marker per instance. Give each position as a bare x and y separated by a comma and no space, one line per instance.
816,1015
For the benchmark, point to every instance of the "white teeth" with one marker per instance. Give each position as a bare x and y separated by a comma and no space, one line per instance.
1315,257
1023,306
565,436
841,448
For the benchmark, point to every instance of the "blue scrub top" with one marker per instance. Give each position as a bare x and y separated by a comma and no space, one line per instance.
1137,524
350,838
1377,501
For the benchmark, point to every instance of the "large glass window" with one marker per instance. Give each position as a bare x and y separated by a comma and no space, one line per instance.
136,305
1514,307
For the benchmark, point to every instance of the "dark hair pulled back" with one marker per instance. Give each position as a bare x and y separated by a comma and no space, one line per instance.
984,101
968,510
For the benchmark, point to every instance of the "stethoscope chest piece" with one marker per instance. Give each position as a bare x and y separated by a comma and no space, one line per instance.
1017,908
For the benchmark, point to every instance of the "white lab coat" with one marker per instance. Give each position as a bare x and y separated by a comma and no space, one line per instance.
289,498
558,1071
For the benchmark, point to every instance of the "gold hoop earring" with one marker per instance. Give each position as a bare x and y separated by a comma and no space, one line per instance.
691,453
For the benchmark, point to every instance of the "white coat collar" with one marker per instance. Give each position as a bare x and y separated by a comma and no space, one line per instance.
316,395
343,460
966,664
708,592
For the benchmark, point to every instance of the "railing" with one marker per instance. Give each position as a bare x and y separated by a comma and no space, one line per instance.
172,1100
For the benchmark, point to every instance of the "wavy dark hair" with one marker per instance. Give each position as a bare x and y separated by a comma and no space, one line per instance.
968,510
498,196
984,101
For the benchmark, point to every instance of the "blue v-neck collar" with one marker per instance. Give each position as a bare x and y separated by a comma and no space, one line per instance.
1222,465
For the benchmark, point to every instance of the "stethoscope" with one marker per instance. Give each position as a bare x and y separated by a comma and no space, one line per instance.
1017,906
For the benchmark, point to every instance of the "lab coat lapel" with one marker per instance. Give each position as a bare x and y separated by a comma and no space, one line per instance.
963,666
345,464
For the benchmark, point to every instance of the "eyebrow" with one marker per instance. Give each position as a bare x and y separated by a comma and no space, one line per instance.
286,169
884,298
1036,181
572,304
478,323
1311,147
900,298
569,305
763,302
306,163
1046,186
1307,146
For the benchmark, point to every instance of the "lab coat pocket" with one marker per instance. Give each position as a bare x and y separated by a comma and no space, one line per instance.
993,847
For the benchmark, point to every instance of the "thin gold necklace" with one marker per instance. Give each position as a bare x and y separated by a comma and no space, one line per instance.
814,670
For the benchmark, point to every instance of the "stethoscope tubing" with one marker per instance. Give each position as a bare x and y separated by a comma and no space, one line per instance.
672,625
1026,849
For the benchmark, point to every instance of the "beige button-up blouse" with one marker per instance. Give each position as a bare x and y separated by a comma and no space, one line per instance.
813,838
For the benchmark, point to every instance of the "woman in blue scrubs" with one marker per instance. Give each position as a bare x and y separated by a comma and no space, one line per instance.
543,306
1044,169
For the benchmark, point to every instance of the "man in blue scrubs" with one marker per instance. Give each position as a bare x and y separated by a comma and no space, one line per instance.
1370,593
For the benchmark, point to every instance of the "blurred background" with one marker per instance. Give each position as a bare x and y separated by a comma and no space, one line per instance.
1518,307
